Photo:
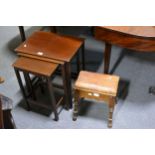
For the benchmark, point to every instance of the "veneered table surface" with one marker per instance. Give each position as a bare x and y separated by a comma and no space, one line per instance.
50,45
140,31
35,66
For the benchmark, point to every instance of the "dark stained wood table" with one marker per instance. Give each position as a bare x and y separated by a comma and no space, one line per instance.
138,38
53,48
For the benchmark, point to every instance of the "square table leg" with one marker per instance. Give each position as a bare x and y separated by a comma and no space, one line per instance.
52,98
22,33
69,84
107,54
22,87
66,74
83,57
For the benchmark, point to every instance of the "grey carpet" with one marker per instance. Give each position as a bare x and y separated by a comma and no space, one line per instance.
135,107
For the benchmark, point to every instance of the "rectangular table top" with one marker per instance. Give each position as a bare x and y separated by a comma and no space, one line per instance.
50,45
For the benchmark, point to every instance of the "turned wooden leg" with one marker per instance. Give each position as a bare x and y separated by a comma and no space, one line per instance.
107,54
76,105
111,109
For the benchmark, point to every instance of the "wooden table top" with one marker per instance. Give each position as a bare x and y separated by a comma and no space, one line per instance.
140,31
50,45
139,38
35,66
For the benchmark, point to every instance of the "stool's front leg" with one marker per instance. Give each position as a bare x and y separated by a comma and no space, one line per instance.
111,109
76,105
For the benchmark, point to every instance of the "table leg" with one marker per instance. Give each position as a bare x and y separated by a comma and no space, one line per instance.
66,74
52,98
21,87
69,84
30,86
63,71
22,33
83,57
78,64
107,54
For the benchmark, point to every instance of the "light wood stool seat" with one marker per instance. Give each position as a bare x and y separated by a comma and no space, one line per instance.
102,87
40,69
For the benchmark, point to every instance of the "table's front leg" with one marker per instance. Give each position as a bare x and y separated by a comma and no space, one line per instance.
69,84
107,54
66,74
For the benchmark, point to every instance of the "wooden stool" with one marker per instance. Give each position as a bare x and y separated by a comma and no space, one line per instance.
40,69
96,86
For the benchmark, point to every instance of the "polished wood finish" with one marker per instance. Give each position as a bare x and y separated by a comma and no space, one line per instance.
54,48
40,58
100,83
137,31
35,66
138,38
101,87
51,46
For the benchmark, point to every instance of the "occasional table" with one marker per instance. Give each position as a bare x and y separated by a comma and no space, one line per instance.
138,38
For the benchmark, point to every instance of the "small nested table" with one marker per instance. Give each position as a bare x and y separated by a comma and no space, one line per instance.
101,87
41,69
60,49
